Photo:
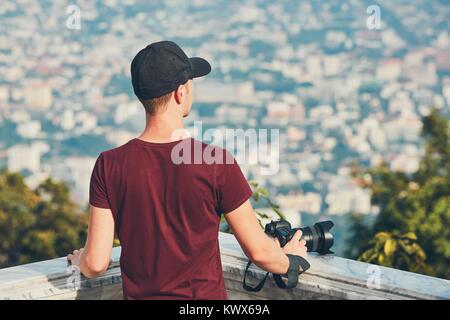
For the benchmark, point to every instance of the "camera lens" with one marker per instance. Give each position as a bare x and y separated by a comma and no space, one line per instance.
318,237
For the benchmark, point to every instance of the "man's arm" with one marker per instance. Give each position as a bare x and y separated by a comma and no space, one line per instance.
93,260
261,249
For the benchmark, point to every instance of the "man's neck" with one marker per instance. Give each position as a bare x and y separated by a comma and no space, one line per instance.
163,128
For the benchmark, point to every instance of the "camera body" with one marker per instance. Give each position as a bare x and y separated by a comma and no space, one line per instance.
318,237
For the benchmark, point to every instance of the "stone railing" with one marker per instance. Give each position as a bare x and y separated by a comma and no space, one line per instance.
329,277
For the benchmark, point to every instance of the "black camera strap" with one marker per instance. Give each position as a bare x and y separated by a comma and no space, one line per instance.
295,262
259,286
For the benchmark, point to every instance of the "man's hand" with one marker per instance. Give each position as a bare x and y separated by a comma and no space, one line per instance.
74,258
94,259
296,246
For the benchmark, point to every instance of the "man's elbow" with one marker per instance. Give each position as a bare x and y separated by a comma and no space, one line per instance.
93,272
93,268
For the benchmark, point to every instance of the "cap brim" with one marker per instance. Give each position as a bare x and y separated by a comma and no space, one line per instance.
200,67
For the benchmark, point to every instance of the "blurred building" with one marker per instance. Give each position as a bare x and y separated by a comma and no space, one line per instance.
37,95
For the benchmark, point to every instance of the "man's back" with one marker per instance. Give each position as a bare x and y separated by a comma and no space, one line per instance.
165,206
167,217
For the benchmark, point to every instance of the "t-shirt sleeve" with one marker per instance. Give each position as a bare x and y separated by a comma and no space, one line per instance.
97,189
232,187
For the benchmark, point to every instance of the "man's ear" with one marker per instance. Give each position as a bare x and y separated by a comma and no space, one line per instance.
178,94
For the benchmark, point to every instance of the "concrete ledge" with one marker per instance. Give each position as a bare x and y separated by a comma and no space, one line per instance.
329,277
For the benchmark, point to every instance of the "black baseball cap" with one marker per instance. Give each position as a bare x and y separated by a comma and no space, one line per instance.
161,67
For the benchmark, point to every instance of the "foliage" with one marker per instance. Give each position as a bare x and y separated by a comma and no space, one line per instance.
261,194
416,204
37,224
391,249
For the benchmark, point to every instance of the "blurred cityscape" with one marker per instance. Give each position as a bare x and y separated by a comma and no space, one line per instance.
339,91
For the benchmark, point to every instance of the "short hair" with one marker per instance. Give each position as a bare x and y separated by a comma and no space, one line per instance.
153,106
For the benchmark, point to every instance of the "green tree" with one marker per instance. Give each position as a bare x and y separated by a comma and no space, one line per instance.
416,204
401,251
37,224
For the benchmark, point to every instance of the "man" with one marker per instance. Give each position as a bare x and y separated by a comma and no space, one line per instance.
165,214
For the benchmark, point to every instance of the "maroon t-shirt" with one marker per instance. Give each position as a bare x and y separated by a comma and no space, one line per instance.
167,215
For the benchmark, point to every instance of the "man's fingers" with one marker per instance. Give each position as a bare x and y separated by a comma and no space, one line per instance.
303,242
297,235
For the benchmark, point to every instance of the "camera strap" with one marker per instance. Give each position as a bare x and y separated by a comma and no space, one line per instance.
259,286
295,262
